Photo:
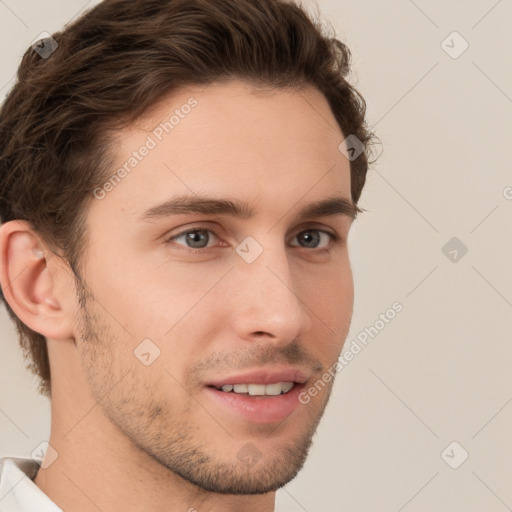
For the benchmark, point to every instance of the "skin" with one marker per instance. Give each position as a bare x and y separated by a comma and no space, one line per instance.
132,437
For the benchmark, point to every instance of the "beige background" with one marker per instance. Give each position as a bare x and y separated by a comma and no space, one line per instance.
440,371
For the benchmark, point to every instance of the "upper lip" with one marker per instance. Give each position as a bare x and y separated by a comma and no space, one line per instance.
263,376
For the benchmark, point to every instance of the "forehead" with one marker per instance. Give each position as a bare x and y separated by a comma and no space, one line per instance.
230,139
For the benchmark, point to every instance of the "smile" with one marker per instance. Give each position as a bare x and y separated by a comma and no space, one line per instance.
278,388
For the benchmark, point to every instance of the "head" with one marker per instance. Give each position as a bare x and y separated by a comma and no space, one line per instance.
144,108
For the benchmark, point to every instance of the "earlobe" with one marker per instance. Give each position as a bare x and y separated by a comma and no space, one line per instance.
28,281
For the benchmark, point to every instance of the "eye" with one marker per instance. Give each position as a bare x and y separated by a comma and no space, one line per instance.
197,239
312,237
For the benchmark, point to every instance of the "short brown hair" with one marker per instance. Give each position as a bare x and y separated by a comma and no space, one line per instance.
118,60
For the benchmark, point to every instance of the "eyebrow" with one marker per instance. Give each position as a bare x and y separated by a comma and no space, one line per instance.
206,205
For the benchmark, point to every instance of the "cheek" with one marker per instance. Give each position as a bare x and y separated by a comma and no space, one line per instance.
149,301
331,301
331,293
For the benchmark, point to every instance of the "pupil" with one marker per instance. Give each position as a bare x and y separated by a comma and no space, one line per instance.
195,237
312,235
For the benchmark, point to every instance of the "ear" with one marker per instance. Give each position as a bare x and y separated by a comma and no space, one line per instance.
28,274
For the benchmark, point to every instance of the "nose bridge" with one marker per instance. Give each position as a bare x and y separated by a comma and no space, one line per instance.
267,300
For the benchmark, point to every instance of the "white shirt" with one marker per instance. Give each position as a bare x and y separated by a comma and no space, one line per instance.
18,493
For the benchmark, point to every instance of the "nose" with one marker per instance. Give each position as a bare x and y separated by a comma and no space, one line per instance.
267,301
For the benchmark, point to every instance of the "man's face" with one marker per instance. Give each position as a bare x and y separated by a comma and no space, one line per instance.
219,299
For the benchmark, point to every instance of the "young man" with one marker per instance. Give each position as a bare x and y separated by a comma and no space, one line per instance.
178,179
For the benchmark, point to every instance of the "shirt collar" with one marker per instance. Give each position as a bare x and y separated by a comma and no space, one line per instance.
18,492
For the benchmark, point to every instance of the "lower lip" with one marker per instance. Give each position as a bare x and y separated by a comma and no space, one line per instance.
259,409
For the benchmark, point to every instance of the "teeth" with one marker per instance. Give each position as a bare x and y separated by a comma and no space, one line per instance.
274,389
287,386
259,389
256,389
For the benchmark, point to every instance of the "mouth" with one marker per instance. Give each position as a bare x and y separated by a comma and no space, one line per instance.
260,396
257,390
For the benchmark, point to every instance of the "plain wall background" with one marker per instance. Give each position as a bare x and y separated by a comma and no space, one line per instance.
440,370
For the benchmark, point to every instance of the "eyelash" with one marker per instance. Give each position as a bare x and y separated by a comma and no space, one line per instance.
335,239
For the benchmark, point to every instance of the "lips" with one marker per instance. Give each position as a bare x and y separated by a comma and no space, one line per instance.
262,376
260,408
255,409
